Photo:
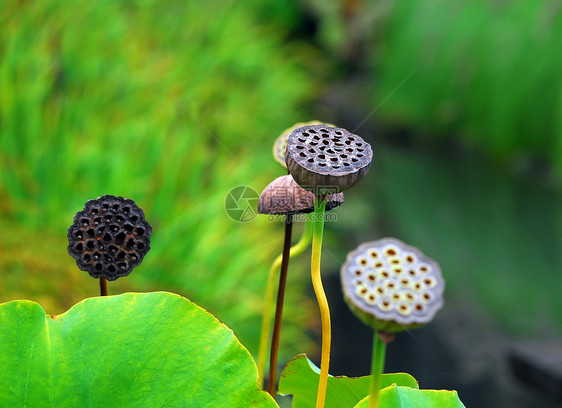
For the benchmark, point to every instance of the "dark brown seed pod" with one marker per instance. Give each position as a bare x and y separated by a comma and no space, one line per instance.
280,145
392,286
109,237
324,157
283,196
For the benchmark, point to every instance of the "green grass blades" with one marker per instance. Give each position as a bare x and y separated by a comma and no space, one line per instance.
300,379
475,68
168,103
405,397
132,350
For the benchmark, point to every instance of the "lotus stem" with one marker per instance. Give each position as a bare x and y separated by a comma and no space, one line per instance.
279,306
103,287
377,367
319,212
296,250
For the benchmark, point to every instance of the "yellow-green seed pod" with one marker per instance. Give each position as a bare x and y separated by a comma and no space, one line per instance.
280,145
392,286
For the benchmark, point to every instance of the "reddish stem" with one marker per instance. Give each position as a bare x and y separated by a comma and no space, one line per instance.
103,287
279,306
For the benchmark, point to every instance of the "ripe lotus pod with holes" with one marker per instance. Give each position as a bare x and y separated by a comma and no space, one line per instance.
280,145
283,196
392,286
319,156
109,237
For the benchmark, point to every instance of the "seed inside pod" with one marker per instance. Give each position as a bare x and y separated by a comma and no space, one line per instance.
109,237
330,165
403,297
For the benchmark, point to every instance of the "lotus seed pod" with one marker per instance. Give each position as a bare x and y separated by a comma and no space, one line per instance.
280,145
392,286
324,157
284,196
109,237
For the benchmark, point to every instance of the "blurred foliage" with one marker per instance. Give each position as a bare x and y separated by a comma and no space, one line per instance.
169,103
346,28
497,239
487,72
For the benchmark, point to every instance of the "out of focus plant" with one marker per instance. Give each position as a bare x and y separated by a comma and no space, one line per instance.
391,287
155,100
478,217
485,72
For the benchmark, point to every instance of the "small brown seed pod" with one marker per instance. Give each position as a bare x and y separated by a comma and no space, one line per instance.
324,157
109,237
280,144
392,286
283,196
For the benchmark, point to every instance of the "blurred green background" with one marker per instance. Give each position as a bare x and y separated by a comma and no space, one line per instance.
174,103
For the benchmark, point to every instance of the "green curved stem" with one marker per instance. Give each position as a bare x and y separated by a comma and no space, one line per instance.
377,367
296,249
319,213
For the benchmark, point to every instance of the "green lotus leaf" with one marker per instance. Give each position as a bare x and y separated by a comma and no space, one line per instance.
132,350
300,378
405,397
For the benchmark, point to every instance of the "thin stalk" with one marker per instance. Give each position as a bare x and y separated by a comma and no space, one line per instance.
296,249
103,287
377,367
279,307
318,233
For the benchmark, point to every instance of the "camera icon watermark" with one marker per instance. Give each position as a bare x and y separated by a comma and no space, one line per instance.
241,204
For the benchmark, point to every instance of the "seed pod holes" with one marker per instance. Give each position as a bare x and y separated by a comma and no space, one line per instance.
280,144
320,155
392,286
109,237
